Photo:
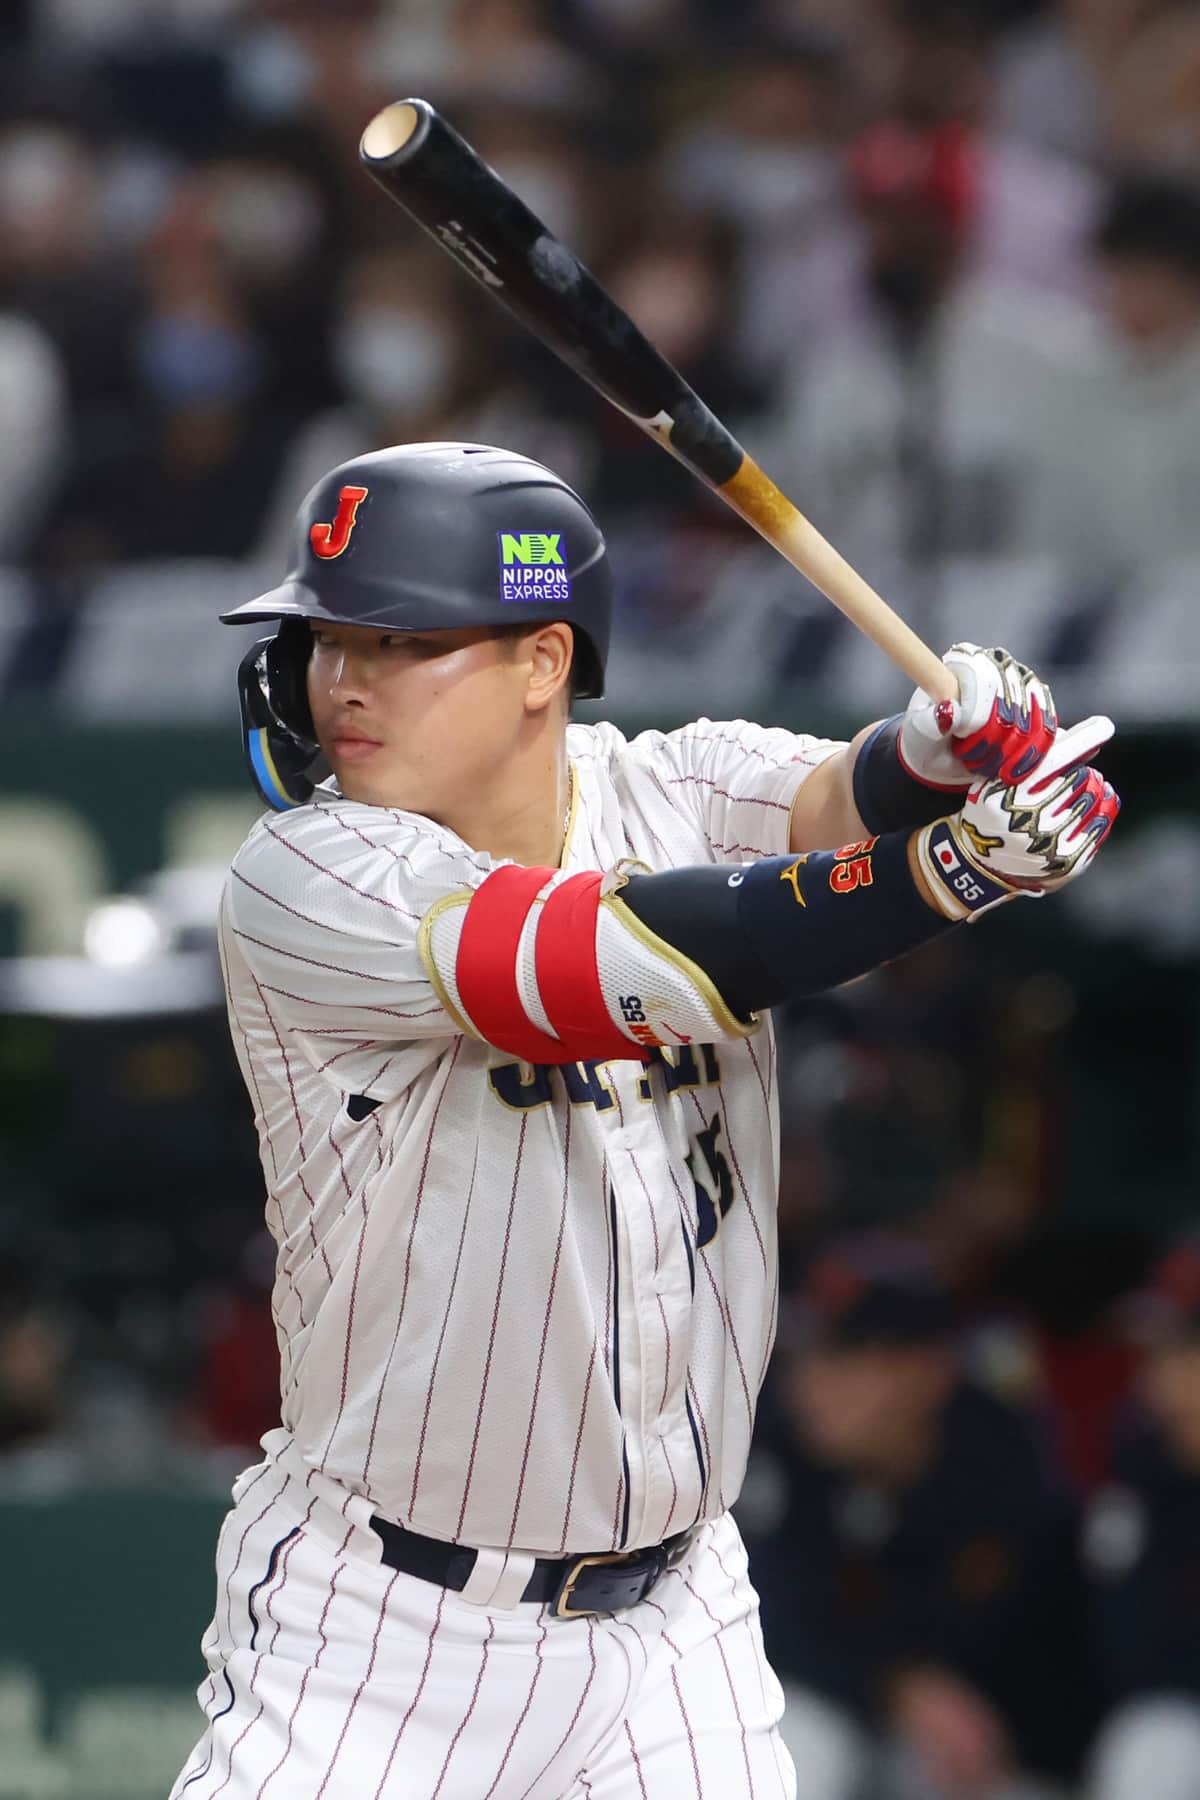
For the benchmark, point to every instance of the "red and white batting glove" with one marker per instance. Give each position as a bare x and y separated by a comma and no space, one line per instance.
1027,838
999,729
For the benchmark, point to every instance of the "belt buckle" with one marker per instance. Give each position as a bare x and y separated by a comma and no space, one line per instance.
562,1608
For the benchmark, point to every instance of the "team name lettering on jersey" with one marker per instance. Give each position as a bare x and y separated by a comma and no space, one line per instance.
524,1086
713,1182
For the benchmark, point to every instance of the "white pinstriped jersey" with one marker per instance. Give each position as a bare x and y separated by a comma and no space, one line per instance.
517,1306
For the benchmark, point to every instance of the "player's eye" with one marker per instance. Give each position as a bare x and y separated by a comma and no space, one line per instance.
412,643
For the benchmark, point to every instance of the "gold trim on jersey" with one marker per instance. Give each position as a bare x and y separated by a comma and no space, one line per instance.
519,1062
728,1022
460,897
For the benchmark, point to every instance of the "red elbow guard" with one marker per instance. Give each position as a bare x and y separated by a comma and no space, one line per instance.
565,966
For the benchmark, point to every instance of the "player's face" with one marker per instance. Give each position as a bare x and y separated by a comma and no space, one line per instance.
417,720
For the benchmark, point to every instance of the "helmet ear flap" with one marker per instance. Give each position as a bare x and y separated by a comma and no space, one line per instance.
277,729
287,677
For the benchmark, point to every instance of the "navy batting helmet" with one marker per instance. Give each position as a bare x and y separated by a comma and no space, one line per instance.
419,537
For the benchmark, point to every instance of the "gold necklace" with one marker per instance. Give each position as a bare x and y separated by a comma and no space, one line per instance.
567,816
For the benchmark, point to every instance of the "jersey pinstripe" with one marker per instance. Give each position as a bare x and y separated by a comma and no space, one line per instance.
516,1305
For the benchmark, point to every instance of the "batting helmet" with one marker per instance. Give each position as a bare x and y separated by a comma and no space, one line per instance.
419,537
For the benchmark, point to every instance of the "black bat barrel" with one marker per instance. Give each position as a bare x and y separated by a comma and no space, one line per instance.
423,164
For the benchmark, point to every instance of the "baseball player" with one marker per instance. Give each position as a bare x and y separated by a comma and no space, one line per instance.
499,988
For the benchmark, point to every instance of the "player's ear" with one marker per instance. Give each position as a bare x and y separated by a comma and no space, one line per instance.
550,654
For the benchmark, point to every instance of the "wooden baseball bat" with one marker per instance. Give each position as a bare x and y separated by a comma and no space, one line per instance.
422,163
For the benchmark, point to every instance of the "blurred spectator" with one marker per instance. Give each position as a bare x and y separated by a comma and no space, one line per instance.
878,1071
934,62
474,49
916,432
1106,79
1143,1555
33,1357
1153,85
692,612
80,25
237,1395
314,60
274,208
766,159
35,1349
631,30
1149,245
33,430
192,472
914,1597
507,46
1131,499
59,270
47,190
676,278
1049,77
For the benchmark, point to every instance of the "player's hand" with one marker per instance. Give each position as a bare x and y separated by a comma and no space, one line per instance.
1000,728
1031,837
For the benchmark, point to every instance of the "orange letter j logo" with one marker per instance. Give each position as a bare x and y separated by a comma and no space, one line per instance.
330,540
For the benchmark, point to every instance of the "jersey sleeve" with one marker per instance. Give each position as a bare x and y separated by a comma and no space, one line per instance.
325,908
738,779
356,933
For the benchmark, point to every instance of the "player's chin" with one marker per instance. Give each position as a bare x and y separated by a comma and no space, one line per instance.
359,780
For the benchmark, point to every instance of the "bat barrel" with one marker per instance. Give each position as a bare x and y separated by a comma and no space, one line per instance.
422,163
434,175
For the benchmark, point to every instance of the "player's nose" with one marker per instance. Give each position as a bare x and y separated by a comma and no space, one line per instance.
347,681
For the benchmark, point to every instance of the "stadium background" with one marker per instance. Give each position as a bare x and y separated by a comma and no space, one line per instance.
939,265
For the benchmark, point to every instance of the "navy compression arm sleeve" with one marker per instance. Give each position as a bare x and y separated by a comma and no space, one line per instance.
788,926
887,795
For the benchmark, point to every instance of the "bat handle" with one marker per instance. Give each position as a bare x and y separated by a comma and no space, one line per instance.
830,571
753,494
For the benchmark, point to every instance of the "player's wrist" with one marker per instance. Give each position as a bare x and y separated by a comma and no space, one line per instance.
949,877
890,793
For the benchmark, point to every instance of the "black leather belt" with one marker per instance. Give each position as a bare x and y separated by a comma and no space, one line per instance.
574,1585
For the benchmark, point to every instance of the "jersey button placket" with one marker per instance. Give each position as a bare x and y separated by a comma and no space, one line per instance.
660,1322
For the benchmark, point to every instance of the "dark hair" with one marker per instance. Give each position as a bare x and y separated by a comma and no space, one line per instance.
1154,214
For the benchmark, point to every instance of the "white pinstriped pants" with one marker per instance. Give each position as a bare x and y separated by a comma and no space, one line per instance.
332,1677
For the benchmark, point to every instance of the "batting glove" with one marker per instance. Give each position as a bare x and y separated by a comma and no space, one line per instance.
1027,838
1001,726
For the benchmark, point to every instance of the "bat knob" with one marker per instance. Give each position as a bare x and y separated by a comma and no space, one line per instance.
392,130
943,716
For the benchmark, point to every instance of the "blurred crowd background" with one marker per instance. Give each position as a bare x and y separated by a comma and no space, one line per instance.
937,262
